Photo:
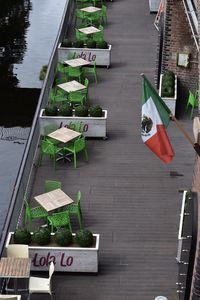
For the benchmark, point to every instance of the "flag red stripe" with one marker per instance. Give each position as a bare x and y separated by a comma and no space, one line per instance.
159,143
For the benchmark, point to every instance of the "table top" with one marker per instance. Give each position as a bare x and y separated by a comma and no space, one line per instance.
77,62
71,86
90,9
13,267
64,134
53,200
89,30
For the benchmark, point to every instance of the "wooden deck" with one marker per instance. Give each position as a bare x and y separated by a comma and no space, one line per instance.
129,196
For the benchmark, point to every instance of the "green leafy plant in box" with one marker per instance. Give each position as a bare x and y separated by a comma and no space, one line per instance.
42,236
63,237
22,236
51,110
78,44
81,111
91,44
102,45
84,238
95,111
65,110
66,43
168,82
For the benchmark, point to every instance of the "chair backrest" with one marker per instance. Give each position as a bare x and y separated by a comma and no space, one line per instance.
191,99
51,185
48,147
10,297
76,126
86,83
104,10
60,218
79,144
27,208
78,197
17,251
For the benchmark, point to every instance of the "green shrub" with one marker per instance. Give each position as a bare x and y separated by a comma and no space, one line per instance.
84,238
42,236
167,91
168,82
102,45
43,72
81,111
51,110
63,237
22,236
78,44
65,110
91,44
96,111
67,43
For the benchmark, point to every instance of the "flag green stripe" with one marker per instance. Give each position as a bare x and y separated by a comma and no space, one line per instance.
149,91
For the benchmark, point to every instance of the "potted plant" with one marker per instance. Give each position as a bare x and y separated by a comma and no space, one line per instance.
69,252
92,119
100,51
168,89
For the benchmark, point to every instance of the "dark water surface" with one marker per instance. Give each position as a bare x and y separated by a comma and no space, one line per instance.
28,31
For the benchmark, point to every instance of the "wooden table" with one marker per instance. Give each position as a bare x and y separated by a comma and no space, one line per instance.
15,267
64,134
53,200
72,86
90,9
89,30
77,62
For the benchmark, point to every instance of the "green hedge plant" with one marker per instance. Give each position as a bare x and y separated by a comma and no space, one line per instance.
42,236
65,110
78,44
67,43
81,111
63,237
90,44
102,45
51,110
168,83
22,236
96,111
84,238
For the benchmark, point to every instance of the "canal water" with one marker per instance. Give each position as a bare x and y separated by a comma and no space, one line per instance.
28,29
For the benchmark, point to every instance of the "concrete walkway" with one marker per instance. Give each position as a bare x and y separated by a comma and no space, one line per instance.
128,194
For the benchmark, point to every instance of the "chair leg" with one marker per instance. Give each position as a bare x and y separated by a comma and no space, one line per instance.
191,114
74,159
86,154
95,75
79,219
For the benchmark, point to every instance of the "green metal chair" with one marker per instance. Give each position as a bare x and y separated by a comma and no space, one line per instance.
36,212
193,102
76,98
60,219
104,17
76,126
51,185
94,18
48,129
57,95
75,208
49,149
99,36
77,146
79,15
80,36
74,73
90,70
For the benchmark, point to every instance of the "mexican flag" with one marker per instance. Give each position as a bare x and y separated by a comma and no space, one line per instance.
155,118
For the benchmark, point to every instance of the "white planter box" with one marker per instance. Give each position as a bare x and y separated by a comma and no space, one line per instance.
92,127
102,56
170,102
66,259
154,5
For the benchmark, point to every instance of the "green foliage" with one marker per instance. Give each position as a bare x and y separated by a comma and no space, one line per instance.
78,44
102,45
51,110
66,43
81,111
22,236
43,72
168,82
84,238
63,237
65,110
95,111
42,236
91,44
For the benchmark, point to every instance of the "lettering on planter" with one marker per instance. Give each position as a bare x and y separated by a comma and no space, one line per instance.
87,56
72,126
61,260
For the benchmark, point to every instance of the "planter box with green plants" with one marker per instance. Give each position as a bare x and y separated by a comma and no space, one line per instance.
99,51
168,89
92,119
69,252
